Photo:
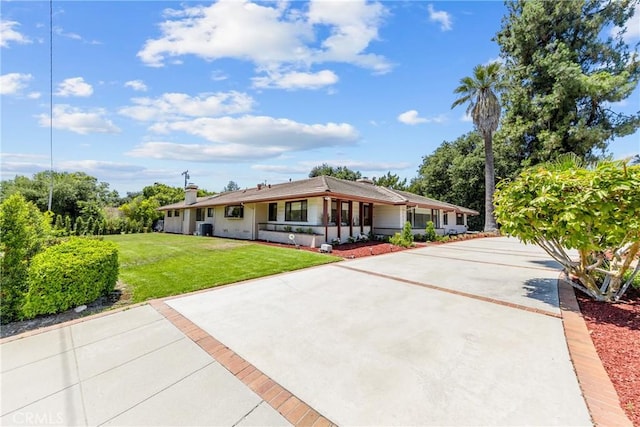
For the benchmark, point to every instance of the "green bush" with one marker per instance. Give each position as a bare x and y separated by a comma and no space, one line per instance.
23,231
73,273
404,239
430,232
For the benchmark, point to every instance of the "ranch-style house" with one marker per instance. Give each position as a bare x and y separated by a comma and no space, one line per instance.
315,211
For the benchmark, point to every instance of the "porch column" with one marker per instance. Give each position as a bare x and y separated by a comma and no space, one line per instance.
339,214
361,214
350,218
371,215
325,218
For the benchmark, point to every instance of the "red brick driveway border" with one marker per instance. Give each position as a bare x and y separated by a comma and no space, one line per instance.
282,400
598,391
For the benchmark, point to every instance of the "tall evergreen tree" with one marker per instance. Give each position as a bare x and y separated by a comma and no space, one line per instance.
566,62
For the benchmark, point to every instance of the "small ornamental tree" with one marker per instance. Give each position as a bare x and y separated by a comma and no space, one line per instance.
596,211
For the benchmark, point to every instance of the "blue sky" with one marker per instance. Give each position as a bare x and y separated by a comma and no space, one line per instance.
249,92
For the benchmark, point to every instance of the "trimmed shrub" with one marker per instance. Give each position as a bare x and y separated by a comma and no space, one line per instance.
404,239
430,232
23,231
72,273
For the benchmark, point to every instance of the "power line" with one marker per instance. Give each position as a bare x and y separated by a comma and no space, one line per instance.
51,102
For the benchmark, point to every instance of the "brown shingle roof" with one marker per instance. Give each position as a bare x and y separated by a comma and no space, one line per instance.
321,186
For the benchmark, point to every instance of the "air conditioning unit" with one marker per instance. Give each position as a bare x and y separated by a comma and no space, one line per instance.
326,248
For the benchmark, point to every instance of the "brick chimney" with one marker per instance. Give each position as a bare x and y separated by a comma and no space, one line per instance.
190,194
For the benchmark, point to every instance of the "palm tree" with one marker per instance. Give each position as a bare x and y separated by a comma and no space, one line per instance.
484,108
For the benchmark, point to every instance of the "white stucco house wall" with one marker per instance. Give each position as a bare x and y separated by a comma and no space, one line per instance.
314,211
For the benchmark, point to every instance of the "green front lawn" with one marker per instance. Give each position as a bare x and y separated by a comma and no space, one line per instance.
157,265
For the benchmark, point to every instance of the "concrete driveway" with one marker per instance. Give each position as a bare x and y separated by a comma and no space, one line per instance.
467,333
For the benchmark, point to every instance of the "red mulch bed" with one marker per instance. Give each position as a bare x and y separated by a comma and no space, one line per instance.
356,250
615,332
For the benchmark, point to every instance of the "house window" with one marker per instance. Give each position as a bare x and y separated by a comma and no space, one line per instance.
176,213
234,211
273,211
366,215
445,218
200,214
296,211
169,214
209,212
421,219
459,219
333,219
344,215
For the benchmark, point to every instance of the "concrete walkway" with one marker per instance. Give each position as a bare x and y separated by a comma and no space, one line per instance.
466,333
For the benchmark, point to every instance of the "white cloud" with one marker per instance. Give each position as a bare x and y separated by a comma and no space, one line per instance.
262,132
75,86
220,31
59,31
172,106
498,60
245,139
9,35
633,27
218,75
466,118
353,25
34,95
137,85
296,80
13,83
412,117
441,17
203,152
75,120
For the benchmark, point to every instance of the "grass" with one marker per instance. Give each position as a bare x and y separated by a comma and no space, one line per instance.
157,265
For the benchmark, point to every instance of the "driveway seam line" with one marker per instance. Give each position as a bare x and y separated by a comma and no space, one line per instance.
598,392
482,262
156,393
269,390
454,292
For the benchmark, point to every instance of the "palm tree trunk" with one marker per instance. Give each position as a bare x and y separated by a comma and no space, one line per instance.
489,184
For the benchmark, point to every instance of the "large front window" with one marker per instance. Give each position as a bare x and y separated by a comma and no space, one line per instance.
296,211
420,219
234,211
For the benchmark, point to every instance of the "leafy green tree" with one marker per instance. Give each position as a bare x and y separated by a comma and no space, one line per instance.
341,172
595,211
564,68
23,229
69,190
454,172
479,92
231,186
391,181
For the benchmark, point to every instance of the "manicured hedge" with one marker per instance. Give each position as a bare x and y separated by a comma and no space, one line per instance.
72,273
